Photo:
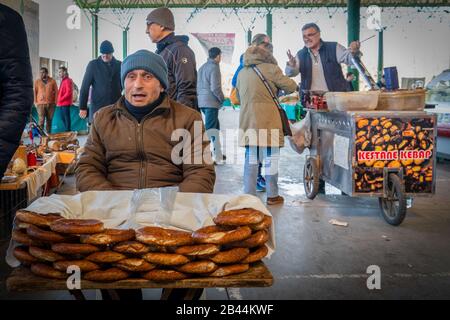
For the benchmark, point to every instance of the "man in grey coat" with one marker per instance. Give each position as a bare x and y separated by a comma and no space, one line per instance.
211,98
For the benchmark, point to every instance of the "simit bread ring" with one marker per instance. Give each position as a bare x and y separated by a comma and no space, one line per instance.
41,220
84,265
163,237
263,225
109,275
48,236
230,269
165,259
256,255
134,265
231,256
108,236
74,248
198,250
164,275
105,257
22,254
220,235
43,270
257,239
131,247
45,255
198,267
21,225
25,239
240,217
77,226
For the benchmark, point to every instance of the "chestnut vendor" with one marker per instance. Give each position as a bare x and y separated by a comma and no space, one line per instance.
130,144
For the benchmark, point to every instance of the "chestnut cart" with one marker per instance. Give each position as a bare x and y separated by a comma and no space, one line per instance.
385,154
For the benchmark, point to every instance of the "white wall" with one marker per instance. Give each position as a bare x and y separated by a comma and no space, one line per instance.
420,48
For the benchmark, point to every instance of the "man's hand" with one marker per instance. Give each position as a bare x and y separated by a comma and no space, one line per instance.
291,61
83,114
354,47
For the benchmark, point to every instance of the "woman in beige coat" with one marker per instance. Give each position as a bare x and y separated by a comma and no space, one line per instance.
260,127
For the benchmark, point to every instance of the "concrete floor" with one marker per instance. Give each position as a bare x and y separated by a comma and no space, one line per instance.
316,260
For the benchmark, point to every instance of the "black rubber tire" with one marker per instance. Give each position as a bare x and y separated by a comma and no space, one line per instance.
393,208
311,178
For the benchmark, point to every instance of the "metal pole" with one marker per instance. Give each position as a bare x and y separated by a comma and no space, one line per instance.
249,37
269,25
94,35
125,43
380,55
353,7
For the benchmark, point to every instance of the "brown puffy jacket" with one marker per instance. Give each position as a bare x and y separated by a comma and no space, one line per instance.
121,153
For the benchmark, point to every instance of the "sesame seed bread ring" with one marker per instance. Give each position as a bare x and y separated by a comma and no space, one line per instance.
84,265
198,250
105,257
108,236
165,259
46,271
263,225
231,256
240,217
21,253
198,267
74,248
77,226
131,247
45,255
163,237
48,236
220,235
223,271
109,275
134,265
164,275
41,220
256,255
255,240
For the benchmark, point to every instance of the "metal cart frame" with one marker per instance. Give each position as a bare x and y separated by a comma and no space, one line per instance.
337,130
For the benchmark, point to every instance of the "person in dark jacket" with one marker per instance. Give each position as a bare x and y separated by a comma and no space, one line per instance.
180,59
103,74
211,98
16,83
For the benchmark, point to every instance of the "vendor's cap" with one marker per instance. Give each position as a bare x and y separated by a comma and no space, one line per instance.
162,16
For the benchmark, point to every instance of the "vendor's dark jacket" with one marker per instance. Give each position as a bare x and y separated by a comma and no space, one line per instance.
16,83
180,60
121,153
105,82
331,68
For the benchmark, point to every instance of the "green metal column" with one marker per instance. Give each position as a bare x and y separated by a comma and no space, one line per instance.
249,37
353,7
94,35
125,43
269,25
380,55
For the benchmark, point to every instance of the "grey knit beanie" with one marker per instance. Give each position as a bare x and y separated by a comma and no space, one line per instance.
145,60
162,16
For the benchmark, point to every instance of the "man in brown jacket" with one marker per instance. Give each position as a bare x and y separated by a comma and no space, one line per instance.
135,143
45,96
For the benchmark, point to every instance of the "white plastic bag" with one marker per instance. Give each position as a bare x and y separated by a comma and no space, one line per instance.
301,134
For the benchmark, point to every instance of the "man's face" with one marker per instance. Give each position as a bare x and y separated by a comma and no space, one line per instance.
107,57
43,74
311,37
61,73
155,32
142,88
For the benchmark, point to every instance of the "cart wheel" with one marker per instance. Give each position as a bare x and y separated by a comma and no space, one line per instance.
311,178
393,208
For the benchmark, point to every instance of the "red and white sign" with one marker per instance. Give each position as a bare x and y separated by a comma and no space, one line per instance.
394,155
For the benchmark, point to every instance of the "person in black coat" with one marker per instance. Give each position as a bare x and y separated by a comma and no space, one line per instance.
103,74
16,83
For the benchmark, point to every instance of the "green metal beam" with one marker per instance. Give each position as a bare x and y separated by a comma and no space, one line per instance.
353,18
249,37
94,35
380,55
124,43
269,25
